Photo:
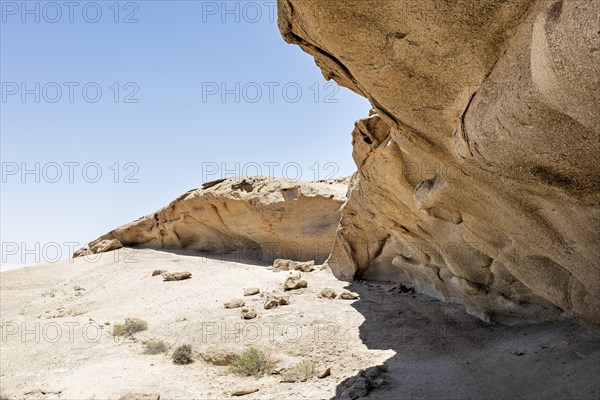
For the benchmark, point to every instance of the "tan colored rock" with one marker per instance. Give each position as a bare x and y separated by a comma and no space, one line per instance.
325,373
328,293
273,301
244,391
346,295
293,283
261,218
251,291
287,265
158,272
248,313
105,245
220,356
235,303
98,246
140,396
176,276
478,170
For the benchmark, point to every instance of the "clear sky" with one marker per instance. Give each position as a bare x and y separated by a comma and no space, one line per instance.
110,110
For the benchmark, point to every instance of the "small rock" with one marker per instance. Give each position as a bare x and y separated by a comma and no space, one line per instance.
251,291
219,356
273,301
325,373
140,396
248,313
293,283
345,295
158,272
328,293
78,288
293,376
176,276
235,303
244,391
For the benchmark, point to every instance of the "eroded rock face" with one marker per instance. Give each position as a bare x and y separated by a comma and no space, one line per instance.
263,218
479,167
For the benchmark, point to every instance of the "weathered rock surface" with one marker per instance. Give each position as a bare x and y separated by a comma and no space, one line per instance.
263,218
286,265
98,246
479,167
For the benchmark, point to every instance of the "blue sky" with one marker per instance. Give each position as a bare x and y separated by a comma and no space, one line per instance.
118,108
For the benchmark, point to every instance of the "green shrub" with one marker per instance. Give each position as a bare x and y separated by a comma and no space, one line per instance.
155,347
306,367
183,355
130,327
252,362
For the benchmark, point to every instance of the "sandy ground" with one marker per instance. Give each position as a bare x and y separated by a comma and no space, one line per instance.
56,340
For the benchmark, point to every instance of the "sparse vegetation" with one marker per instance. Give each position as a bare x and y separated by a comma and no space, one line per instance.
130,327
183,355
155,347
306,367
253,362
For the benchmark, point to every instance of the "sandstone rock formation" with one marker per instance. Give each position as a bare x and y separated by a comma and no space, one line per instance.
263,218
479,167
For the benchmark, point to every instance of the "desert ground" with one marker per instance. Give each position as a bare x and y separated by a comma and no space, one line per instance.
57,343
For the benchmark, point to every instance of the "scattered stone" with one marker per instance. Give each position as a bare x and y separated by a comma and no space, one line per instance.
287,265
158,272
325,373
140,396
328,293
293,283
78,288
176,276
273,301
235,303
244,391
248,313
402,289
288,376
219,356
346,295
251,291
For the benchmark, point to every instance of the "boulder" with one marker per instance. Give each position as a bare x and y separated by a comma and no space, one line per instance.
478,171
260,218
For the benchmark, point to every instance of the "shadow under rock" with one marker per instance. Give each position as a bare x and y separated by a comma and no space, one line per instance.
242,257
444,353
